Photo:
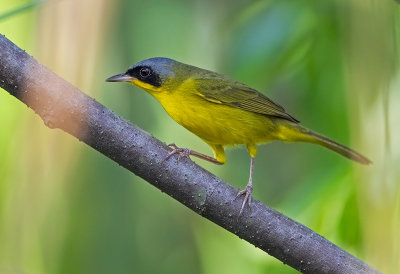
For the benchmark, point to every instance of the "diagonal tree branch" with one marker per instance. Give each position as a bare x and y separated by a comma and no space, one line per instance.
63,106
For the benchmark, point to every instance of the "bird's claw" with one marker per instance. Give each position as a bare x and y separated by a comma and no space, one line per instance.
172,145
182,152
247,197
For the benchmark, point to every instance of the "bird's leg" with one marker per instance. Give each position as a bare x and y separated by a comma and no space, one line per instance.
248,189
185,152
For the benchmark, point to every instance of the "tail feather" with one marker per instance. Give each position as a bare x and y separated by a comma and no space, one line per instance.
307,135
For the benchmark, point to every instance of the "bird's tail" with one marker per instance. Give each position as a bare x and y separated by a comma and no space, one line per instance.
296,132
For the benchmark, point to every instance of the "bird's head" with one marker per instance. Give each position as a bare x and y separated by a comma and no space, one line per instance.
151,74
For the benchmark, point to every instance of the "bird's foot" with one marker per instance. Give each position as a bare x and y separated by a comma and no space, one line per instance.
185,152
182,152
247,197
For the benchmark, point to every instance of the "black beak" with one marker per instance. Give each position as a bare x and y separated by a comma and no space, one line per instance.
123,77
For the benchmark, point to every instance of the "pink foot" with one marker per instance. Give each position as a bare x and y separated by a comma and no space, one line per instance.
247,197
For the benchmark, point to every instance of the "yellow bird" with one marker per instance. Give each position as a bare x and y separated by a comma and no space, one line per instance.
221,111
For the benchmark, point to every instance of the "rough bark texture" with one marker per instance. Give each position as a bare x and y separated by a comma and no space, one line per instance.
63,106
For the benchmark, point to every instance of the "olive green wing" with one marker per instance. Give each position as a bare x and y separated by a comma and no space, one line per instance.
222,90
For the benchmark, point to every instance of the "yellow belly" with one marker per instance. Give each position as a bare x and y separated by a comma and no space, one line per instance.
216,123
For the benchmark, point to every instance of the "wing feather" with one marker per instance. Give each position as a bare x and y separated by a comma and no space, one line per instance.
219,89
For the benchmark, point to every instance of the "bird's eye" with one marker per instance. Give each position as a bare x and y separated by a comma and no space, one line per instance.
145,72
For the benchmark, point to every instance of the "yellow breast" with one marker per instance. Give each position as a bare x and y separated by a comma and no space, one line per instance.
215,123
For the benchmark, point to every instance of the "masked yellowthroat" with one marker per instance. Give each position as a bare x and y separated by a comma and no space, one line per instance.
221,111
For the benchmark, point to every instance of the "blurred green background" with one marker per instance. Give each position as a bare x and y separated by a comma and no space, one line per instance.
64,208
